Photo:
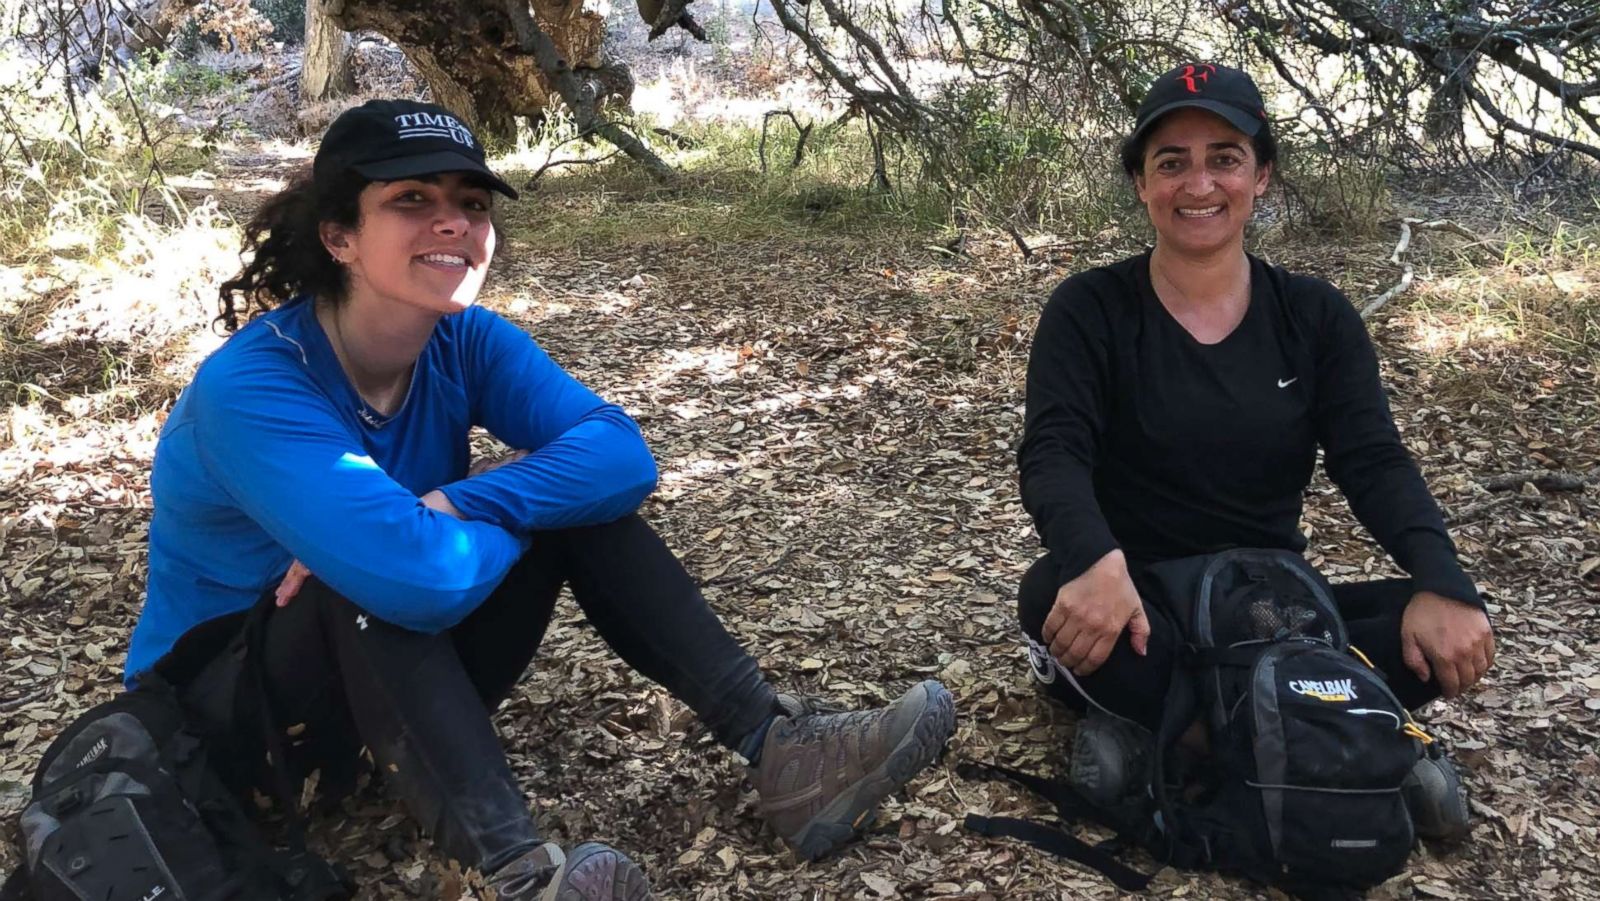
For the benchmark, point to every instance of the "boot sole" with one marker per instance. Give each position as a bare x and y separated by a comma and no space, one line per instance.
844,819
597,872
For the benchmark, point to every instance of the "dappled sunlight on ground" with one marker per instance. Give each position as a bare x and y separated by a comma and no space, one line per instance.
1503,306
1435,336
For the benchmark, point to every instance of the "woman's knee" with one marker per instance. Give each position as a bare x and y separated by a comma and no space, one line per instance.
317,609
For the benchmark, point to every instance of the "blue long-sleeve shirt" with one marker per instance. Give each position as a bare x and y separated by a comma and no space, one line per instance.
270,455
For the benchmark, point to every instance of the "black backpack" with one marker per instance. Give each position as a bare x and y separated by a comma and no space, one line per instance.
1308,746
127,806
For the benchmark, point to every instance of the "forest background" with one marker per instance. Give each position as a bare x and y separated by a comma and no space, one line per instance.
805,245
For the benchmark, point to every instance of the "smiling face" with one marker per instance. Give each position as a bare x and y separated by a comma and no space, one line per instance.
424,242
1200,182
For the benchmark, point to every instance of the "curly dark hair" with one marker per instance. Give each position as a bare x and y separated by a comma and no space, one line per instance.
284,250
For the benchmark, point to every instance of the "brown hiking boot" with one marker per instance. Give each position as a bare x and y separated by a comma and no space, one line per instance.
592,872
821,775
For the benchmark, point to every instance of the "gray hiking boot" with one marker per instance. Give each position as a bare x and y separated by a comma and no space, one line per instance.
1437,799
592,872
822,775
1108,758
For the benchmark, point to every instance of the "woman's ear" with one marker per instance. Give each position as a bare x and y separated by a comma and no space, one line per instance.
1263,178
1138,186
335,240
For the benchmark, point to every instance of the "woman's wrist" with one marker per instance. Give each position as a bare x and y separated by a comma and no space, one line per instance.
439,501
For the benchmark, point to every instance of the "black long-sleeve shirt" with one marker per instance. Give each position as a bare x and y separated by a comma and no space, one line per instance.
1140,437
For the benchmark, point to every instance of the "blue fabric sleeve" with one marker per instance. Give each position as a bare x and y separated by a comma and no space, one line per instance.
276,445
587,461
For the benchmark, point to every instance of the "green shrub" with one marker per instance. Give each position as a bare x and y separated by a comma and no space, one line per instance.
1004,165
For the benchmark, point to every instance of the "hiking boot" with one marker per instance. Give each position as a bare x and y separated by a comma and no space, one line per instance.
1436,798
592,872
794,705
822,775
1108,758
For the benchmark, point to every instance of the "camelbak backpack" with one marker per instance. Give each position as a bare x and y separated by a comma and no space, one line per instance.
1308,746
128,806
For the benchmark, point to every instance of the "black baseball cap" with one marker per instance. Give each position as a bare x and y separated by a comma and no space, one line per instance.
387,140
1227,92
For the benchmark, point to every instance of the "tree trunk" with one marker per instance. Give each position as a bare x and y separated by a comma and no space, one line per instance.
469,53
325,71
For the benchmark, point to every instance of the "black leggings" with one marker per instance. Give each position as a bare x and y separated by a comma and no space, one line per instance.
1134,687
340,678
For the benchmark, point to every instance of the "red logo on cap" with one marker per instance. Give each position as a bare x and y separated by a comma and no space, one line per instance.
1195,76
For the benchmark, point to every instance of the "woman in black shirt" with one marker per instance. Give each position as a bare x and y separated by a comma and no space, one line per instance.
1175,403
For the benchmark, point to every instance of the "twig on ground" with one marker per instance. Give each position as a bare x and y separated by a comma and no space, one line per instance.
1400,248
1475,512
679,141
25,700
725,581
1022,244
1544,480
533,180
1377,303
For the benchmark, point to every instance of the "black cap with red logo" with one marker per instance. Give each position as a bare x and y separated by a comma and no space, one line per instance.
1227,92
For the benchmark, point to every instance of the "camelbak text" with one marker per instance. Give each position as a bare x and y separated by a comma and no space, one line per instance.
1325,689
94,752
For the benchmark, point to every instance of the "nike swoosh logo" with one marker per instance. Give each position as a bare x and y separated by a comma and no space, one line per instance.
1284,383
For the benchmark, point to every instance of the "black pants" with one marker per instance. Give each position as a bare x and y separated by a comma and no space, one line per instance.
1134,687
339,678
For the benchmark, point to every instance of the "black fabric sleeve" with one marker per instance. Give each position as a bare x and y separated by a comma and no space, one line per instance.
1365,458
1067,390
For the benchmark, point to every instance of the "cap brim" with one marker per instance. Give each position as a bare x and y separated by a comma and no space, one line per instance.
1235,116
431,164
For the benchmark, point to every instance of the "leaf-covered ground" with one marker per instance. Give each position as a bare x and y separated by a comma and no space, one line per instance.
835,419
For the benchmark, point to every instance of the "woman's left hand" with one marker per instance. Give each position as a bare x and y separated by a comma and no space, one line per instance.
296,577
489,464
1447,639
292,581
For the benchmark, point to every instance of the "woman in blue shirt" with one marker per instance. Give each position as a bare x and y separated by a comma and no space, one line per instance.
319,464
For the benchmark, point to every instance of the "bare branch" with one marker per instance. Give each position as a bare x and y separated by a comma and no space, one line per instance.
1400,247
675,12
549,164
800,143
532,40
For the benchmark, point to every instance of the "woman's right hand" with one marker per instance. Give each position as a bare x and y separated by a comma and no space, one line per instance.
489,464
1090,613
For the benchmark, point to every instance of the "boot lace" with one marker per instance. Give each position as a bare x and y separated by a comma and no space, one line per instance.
823,727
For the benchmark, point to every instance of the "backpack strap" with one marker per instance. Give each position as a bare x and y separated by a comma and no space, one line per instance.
307,876
1180,844
1070,806
1061,844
